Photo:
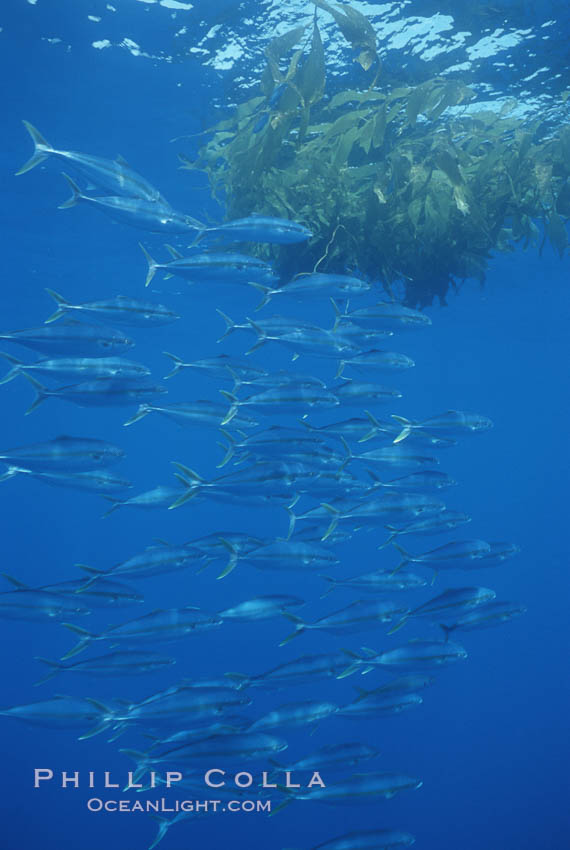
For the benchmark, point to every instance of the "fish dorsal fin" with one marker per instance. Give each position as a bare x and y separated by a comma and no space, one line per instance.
122,161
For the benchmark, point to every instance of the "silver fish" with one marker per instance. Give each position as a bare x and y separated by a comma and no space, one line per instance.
257,228
260,608
211,268
376,360
100,392
36,604
315,284
165,625
452,423
119,310
128,663
64,454
295,714
358,616
389,315
115,175
485,616
155,216
96,481
195,413
72,338
80,368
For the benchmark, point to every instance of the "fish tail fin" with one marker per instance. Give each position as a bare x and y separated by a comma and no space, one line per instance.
142,411
373,475
10,472
232,563
337,313
374,430
56,668
189,494
405,555
93,573
292,521
349,670
190,475
41,393
398,626
406,430
229,449
230,324
266,292
86,638
185,497
178,363
257,328
334,521
256,345
190,479
174,253
42,149
164,825
96,730
300,626
233,409
60,301
15,371
152,265
141,760
75,194
333,584
391,539
446,630
348,452
261,336
116,504
340,370
281,806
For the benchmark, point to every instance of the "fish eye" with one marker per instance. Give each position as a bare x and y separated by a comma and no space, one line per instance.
96,456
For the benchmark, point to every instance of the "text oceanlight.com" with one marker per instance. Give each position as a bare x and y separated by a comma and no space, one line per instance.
96,804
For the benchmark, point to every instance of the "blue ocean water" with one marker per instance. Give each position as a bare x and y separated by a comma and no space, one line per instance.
490,741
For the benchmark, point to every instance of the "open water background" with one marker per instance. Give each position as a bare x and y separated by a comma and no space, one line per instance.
491,739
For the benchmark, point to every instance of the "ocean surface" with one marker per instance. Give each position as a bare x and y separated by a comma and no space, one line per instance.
489,742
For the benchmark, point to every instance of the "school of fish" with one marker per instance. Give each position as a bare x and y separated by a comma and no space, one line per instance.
359,473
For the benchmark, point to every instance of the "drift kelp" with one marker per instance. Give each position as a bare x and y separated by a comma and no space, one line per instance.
376,172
